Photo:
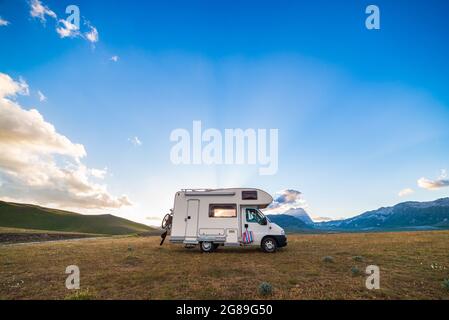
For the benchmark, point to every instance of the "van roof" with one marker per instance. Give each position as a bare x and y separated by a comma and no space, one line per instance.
220,190
262,198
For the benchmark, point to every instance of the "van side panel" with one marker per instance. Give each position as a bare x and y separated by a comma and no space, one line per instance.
221,226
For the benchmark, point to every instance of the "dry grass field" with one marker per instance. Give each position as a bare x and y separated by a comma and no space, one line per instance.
413,265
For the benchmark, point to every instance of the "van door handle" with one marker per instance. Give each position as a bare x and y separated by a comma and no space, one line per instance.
188,217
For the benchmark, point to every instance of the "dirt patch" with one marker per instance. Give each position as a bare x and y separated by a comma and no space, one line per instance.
8,238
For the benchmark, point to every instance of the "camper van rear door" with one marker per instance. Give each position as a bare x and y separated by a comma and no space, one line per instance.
192,219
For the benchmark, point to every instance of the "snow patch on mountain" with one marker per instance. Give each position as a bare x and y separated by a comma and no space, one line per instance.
301,214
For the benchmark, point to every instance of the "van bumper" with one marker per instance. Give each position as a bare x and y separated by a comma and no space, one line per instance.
281,240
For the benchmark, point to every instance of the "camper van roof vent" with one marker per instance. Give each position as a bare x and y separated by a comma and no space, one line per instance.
208,192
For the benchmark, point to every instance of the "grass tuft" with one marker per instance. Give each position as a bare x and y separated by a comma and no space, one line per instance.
82,294
328,259
265,289
445,284
357,258
132,260
355,271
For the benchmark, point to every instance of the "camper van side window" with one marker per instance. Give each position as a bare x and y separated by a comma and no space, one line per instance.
249,195
222,210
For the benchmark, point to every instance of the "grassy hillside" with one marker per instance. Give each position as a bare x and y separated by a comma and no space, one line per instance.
26,216
413,265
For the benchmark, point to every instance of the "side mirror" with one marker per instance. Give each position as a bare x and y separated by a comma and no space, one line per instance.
264,221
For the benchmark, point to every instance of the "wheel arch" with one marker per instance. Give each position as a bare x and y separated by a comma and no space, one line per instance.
269,236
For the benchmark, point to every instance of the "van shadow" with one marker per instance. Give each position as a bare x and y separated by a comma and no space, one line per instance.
225,250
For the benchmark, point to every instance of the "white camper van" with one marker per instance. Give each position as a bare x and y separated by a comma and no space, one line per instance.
228,217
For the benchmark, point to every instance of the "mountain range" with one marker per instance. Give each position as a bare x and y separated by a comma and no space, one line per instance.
410,215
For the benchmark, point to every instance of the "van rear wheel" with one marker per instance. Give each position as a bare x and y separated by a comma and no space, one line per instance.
269,245
207,246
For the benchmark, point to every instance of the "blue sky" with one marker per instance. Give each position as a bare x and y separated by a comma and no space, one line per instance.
362,114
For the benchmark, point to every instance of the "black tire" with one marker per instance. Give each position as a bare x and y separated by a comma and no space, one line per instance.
206,247
269,245
167,221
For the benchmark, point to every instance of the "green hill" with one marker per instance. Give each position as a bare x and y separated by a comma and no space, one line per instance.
27,216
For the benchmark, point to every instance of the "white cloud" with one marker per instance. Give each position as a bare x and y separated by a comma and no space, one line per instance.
11,88
99,173
135,141
66,29
40,165
39,10
285,200
41,96
114,58
405,192
92,34
290,200
440,182
3,22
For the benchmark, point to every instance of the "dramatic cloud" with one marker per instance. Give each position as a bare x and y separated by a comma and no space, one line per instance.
38,164
135,141
3,22
114,58
405,192
285,200
39,11
440,182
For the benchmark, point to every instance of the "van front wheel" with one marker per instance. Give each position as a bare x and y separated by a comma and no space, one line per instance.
207,246
269,245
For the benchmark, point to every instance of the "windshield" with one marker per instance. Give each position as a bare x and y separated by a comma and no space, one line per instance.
254,215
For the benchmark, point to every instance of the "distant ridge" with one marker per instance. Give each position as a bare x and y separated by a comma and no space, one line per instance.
291,224
410,215
28,216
